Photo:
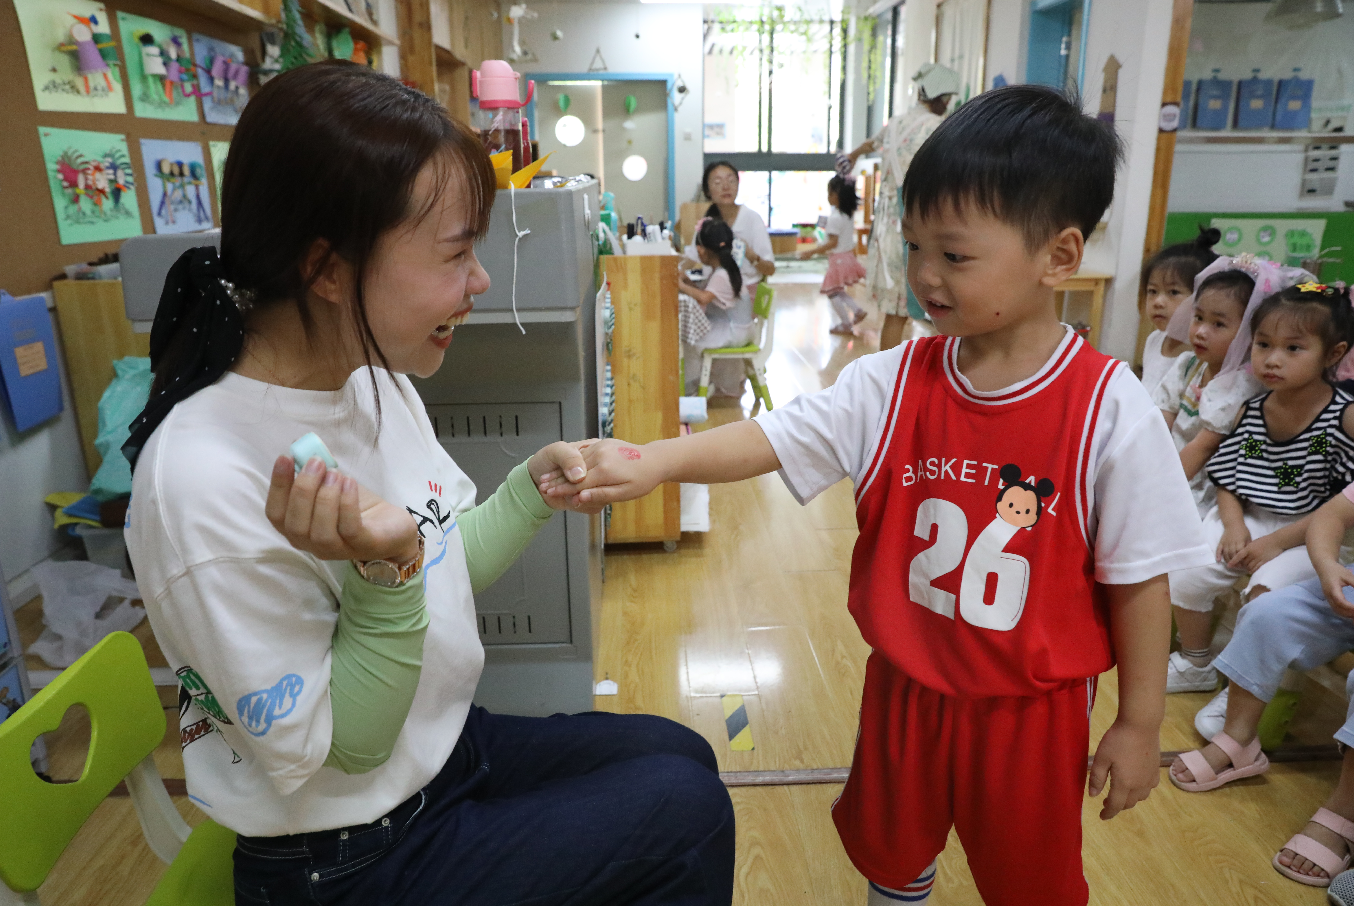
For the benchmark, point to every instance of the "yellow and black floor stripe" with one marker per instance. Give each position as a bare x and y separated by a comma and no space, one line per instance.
736,722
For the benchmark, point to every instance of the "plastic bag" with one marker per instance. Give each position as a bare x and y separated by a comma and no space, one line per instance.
81,603
119,406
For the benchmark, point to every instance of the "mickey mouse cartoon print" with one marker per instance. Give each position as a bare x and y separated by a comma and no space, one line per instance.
1019,506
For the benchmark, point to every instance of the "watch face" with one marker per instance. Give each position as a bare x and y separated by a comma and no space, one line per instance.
383,573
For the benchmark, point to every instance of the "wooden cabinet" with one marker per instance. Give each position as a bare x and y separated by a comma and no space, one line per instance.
442,40
95,333
644,359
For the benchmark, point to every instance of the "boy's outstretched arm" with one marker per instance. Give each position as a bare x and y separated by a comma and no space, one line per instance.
1129,754
623,471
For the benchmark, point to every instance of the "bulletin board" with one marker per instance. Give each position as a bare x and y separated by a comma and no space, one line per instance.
1339,231
31,252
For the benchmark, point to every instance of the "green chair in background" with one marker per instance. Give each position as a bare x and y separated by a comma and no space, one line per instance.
754,355
38,819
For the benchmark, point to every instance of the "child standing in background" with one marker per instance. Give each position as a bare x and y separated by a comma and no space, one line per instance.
1169,280
1016,523
725,299
1202,392
1291,450
843,267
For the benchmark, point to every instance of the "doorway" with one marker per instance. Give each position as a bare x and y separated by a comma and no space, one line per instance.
616,126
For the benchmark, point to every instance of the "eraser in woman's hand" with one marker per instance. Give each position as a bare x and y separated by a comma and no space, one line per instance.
309,447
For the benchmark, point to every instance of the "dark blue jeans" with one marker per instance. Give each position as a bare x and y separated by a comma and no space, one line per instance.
585,810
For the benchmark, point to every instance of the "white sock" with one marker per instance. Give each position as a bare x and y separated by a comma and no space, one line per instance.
914,894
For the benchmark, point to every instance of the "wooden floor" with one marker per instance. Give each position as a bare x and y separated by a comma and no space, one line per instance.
757,607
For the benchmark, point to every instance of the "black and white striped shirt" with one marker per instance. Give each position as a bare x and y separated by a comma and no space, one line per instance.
1291,478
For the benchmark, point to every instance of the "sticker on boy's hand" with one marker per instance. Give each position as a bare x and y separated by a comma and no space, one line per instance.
259,709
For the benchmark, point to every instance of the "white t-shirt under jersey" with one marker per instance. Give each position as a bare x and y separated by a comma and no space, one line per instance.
247,620
1145,521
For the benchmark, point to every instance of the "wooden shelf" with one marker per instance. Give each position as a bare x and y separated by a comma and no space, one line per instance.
445,57
335,16
1234,137
228,12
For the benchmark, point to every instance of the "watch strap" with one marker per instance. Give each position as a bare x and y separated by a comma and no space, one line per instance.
405,571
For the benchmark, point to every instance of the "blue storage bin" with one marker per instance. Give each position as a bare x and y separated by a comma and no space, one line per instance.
1293,109
1255,102
1215,103
11,692
1186,105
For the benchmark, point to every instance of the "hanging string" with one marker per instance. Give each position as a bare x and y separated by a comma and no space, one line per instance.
512,196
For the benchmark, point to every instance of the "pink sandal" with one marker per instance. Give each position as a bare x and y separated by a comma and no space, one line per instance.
1246,762
1318,853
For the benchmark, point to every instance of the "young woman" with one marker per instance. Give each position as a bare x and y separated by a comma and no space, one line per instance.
325,639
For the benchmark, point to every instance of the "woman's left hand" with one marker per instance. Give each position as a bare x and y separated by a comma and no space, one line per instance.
326,513
1256,554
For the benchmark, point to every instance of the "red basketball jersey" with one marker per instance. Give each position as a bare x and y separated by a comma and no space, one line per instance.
974,571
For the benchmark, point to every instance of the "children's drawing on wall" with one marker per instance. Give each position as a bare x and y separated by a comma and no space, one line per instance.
176,186
218,150
160,75
93,187
222,79
72,58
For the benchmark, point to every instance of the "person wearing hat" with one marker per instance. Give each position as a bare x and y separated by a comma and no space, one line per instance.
897,142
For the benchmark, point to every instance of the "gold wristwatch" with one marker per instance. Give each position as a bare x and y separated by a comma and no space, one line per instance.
387,573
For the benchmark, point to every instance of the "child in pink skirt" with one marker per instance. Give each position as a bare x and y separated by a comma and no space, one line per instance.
843,268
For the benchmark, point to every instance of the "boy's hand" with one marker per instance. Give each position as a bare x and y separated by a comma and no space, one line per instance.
804,254
1130,758
616,471
328,514
560,459
1255,554
1335,578
1232,543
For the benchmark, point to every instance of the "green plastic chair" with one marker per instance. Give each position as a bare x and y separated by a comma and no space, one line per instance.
754,355
39,819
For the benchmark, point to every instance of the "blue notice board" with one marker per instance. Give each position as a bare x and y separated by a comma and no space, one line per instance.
29,366
1294,107
1215,103
1255,102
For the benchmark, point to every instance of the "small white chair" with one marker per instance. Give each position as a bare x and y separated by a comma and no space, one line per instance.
754,355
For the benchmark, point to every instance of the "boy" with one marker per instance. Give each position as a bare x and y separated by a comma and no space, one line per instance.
1019,503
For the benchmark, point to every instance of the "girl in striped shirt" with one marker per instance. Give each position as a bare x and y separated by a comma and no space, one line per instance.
1291,450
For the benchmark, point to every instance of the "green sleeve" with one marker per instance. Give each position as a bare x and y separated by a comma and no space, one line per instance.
497,531
374,669
378,642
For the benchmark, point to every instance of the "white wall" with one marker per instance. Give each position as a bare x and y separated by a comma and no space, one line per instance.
670,40
1007,26
1136,33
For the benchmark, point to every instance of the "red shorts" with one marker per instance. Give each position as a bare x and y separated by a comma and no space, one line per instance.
1008,774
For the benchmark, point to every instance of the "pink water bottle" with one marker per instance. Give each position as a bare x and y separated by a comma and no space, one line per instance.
495,85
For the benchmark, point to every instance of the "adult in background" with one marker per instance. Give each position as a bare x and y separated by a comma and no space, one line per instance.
897,142
756,260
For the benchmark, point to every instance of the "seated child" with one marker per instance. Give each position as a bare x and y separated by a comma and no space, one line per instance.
1290,452
843,267
1301,626
1169,280
1005,558
1200,409
725,300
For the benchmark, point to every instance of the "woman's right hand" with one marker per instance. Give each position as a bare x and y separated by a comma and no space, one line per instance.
328,514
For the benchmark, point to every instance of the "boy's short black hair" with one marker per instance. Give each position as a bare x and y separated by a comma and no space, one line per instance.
1025,154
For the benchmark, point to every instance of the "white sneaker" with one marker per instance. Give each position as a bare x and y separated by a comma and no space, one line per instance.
1183,676
1211,717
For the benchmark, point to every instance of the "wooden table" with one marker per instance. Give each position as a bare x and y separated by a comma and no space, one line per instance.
1093,282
